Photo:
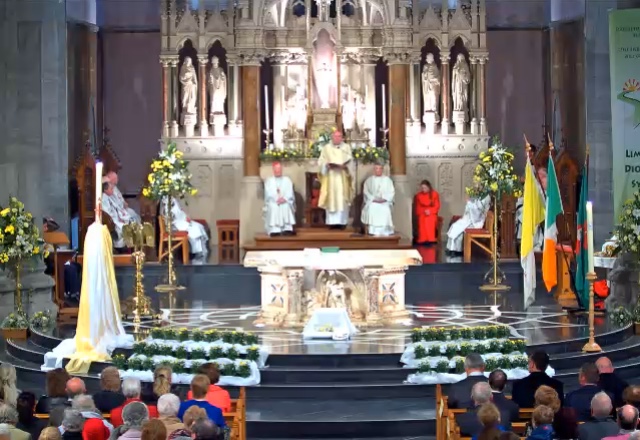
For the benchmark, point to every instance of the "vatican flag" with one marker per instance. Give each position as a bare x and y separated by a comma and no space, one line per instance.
532,216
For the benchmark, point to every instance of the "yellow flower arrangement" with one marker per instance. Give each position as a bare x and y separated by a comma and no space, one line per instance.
494,173
19,236
169,176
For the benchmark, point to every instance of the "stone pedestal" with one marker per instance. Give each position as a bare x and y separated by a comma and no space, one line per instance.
165,130
444,127
189,125
458,121
218,121
323,119
430,120
204,129
235,128
475,127
37,291
483,126
175,130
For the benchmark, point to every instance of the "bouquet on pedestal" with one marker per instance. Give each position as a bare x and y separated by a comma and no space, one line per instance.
169,176
494,174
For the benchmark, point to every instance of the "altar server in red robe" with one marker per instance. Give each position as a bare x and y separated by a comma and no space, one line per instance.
427,203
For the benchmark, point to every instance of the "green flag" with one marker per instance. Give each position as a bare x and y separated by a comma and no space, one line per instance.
582,257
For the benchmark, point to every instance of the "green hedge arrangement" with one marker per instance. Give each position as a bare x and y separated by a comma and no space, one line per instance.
491,364
456,333
183,334
450,350
217,352
178,366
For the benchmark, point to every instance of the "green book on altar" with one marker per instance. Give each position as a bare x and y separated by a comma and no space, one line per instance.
330,249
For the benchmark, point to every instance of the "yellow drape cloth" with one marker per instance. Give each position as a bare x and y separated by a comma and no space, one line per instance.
335,185
99,313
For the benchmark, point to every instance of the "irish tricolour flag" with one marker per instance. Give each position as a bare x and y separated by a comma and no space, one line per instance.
552,210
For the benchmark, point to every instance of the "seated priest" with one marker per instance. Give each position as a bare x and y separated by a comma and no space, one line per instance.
378,194
197,233
427,205
475,213
117,195
117,212
279,203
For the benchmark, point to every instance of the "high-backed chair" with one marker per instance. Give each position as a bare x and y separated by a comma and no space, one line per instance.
481,237
178,239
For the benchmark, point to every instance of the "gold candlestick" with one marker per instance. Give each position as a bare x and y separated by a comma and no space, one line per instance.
591,346
385,132
494,276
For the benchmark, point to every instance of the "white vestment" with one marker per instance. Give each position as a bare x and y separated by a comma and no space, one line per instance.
278,218
197,233
118,214
337,187
475,213
377,216
120,200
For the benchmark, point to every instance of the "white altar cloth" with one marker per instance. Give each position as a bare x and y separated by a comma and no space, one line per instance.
338,319
344,259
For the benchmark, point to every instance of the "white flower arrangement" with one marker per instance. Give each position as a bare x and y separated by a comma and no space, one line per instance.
628,228
494,173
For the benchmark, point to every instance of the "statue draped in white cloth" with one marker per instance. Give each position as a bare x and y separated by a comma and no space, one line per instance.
335,181
217,83
119,199
475,213
460,84
196,232
430,85
189,82
279,203
378,200
116,211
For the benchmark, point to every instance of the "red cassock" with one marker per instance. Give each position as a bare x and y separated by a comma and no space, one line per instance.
427,223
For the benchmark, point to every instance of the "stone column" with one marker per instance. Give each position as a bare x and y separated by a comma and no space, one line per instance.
251,196
233,108
473,110
445,94
279,84
175,99
482,89
166,87
397,147
369,69
202,98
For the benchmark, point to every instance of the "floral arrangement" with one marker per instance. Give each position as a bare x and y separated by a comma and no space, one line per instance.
370,154
315,147
183,334
628,228
286,155
169,176
491,364
452,349
180,352
19,236
241,369
456,333
494,174
15,321
41,321
325,328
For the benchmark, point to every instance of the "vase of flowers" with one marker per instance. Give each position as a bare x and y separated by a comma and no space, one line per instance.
494,176
20,242
169,178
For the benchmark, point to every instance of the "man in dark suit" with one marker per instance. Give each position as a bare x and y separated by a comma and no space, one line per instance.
523,390
459,394
601,425
497,382
468,422
580,399
610,382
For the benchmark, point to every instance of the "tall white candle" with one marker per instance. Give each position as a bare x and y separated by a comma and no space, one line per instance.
590,235
266,107
98,184
236,83
384,107
412,89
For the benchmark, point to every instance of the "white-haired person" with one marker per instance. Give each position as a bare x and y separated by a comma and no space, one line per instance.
95,426
9,416
168,407
131,388
72,425
8,379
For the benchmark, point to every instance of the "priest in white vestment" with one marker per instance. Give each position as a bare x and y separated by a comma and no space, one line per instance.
279,203
196,232
475,213
335,181
117,212
378,196
119,199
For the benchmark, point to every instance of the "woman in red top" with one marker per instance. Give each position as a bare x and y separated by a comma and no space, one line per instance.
216,395
427,203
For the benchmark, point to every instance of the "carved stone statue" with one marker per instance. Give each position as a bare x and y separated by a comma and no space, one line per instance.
324,71
189,82
624,283
217,83
460,84
430,85
348,108
297,110
361,112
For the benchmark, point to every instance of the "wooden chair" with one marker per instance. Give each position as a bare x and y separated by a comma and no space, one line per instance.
478,237
228,240
178,238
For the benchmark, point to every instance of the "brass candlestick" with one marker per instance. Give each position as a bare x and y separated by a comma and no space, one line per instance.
385,132
171,284
494,276
138,236
591,346
267,137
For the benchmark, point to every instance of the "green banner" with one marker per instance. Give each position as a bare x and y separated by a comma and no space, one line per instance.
624,59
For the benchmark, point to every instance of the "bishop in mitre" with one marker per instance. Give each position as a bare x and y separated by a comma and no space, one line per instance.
196,232
475,213
378,196
279,203
335,181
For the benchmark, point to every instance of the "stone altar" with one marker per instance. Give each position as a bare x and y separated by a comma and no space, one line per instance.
368,284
